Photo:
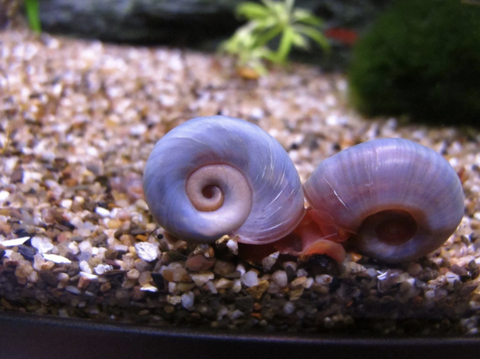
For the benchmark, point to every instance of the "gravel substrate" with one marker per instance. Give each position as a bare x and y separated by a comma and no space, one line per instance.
78,122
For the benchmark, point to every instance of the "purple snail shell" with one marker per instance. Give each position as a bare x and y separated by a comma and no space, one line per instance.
213,176
400,200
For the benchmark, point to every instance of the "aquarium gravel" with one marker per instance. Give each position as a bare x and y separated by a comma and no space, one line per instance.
78,121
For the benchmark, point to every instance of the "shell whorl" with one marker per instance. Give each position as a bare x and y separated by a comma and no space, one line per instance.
389,185
240,180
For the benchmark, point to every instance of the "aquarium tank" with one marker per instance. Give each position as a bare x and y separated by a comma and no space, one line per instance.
245,177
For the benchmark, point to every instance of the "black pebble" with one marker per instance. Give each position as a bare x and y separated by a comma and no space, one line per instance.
335,284
158,280
245,304
27,252
21,232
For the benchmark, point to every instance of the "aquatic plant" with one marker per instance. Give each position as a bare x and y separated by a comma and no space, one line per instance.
269,22
420,59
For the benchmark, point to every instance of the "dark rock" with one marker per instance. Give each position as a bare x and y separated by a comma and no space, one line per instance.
17,176
458,270
118,233
48,277
22,232
291,273
140,21
158,280
27,252
245,304
137,230
101,238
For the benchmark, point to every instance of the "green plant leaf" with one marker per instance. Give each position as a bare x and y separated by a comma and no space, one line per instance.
306,17
268,35
299,41
285,45
33,15
251,10
313,34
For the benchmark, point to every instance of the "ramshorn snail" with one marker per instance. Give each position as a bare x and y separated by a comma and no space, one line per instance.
393,199
398,199
217,175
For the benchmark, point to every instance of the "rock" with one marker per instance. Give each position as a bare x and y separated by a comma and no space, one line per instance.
140,21
198,23
245,304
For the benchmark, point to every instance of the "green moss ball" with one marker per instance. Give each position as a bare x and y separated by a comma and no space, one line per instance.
422,59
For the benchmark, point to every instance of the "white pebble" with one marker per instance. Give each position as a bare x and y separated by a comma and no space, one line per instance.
149,288
270,260
308,283
4,195
280,278
72,289
236,314
102,268
138,130
232,246
237,285
289,307
120,248
88,275
257,113
241,269
223,283
102,211
85,246
188,299
250,279
211,287
14,242
85,267
147,251
201,278
222,312
84,232
302,273
77,222
56,258
42,244
66,203
323,279
38,261
73,247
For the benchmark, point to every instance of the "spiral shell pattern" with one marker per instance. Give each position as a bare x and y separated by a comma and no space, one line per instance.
218,175
388,186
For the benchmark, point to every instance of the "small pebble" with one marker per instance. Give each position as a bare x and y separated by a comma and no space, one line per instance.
281,278
147,251
250,278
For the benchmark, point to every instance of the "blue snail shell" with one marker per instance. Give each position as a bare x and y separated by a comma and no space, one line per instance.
379,181
248,158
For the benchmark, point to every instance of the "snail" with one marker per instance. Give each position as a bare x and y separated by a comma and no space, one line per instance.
391,199
397,199
213,176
